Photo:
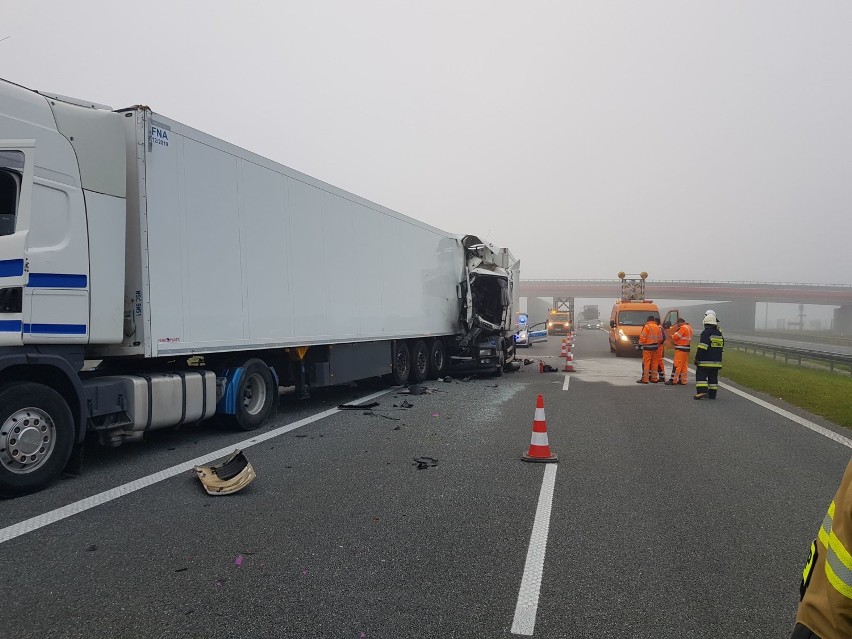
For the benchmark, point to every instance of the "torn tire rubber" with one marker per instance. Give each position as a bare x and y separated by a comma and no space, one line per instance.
419,362
256,395
36,437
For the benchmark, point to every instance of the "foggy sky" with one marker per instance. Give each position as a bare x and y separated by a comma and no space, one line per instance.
692,140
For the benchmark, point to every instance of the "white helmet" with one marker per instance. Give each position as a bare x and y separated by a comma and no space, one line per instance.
711,319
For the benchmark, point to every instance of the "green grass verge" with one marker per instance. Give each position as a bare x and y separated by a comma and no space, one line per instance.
823,393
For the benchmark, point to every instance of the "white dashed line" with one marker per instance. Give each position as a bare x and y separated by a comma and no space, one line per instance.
565,384
527,606
64,512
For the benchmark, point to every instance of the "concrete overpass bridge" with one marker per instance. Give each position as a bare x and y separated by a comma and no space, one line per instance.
745,292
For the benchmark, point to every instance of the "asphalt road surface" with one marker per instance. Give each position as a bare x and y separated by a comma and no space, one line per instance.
665,517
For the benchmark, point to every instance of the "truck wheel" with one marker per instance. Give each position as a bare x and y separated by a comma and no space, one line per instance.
401,364
437,358
419,362
256,395
36,437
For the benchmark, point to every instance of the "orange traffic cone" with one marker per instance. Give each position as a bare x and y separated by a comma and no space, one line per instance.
567,348
539,450
569,364
563,353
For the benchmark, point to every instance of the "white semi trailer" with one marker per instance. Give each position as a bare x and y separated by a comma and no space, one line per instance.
203,277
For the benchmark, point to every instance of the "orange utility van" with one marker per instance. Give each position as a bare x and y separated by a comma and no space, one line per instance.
625,324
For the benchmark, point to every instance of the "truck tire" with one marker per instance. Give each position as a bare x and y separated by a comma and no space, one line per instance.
419,362
36,437
256,396
401,364
437,358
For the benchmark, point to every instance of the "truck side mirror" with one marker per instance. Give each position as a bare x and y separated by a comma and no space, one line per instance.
612,323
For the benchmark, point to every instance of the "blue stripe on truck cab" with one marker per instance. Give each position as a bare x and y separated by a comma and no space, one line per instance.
57,280
11,268
55,329
10,326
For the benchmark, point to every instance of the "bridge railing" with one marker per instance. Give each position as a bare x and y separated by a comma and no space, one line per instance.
652,283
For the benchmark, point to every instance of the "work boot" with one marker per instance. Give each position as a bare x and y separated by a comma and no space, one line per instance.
700,396
641,381
670,383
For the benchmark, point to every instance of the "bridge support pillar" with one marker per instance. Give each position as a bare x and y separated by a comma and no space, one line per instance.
843,320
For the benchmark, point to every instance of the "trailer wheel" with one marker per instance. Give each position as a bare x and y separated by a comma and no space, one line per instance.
437,358
401,364
256,395
36,437
419,362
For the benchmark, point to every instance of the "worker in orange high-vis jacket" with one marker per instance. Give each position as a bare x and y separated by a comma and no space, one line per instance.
682,340
825,610
649,342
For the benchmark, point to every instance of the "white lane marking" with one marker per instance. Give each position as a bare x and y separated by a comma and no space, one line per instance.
825,432
50,517
820,430
567,381
527,606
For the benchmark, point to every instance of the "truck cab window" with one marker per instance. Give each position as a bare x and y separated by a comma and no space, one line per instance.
11,167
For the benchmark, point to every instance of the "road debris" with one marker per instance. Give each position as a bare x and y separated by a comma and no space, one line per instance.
357,406
423,463
232,475
417,389
239,561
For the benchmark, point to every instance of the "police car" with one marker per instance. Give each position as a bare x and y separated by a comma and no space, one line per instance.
530,334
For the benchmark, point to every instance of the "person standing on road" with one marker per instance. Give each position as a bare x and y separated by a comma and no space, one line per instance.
682,340
661,352
708,359
649,342
825,609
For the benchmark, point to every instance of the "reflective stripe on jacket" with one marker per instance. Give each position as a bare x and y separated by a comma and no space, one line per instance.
682,337
650,336
710,347
826,606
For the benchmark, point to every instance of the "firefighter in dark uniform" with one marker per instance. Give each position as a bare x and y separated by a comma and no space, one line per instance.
825,611
708,358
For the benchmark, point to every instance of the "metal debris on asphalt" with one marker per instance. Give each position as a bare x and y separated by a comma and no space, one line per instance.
357,406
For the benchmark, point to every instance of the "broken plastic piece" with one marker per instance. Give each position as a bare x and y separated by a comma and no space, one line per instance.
232,475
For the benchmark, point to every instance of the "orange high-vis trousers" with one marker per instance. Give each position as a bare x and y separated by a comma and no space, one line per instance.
657,363
649,365
681,359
